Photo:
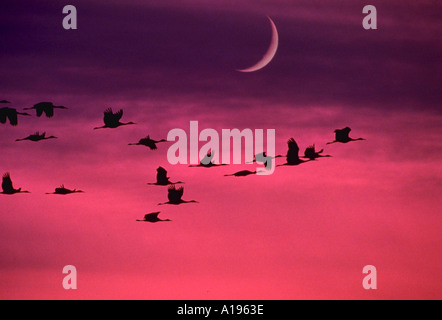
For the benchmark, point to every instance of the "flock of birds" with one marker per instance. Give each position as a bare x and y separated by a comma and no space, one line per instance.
112,120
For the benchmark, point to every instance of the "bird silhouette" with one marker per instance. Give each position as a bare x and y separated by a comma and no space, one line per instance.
37,137
153,218
112,120
45,107
64,191
292,156
263,157
5,101
8,187
243,173
11,114
163,179
311,153
207,161
175,196
148,142
342,136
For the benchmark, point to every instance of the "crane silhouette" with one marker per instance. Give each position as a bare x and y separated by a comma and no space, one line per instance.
11,114
148,142
112,120
64,191
175,196
37,137
8,187
163,179
243,173
153,218
45,107
311,153
343,136
207,161
292,156
263,157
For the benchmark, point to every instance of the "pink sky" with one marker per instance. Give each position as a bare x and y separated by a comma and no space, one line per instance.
302,233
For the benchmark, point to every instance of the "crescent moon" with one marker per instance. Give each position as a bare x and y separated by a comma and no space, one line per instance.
270,54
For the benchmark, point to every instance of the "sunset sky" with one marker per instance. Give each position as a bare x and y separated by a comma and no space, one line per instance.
304,232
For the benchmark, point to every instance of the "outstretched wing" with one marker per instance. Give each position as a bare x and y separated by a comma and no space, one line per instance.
293,146
293,152
118,115
175,194
7,183
49,111
152,146
310,152
161,170
111,118
12,116
151,216
3,115
150,143
108,116
161,173
162,177
39,110
342,134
